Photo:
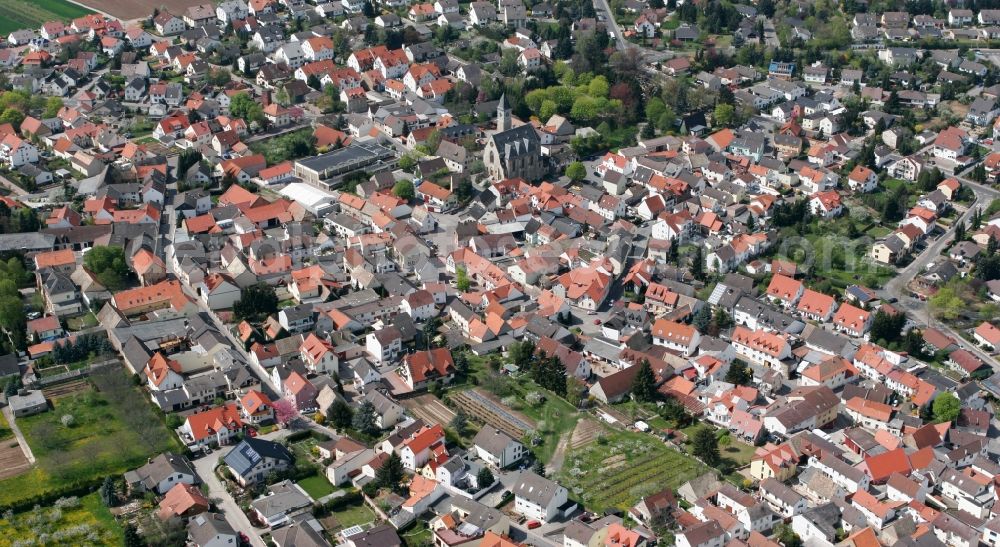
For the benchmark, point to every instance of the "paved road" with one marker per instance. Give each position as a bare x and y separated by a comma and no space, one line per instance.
650,55
205,466
896,287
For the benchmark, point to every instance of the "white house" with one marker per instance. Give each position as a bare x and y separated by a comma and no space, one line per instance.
384,345
676,336
537,498
419,305
497,448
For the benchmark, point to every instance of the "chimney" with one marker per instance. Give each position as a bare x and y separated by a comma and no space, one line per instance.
265,98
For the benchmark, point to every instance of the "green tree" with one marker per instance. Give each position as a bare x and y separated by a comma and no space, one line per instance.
185,160
109,496
243,106
521,353
404,190
132,537
946,303
644,384
705,445
485,477
108,266
462,282
391,472
52,107
460,422
722,320
256,302
946,407
702,319
340,414
407,162
739,374
556,377
576,171
13,117
698,264
724,115
538,468
887,326
364,419
786,536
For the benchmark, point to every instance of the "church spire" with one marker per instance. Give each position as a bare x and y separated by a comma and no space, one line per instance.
503,114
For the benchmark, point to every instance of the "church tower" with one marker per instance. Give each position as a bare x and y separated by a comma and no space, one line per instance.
503,114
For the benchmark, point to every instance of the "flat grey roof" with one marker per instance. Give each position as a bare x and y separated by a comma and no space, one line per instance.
357,154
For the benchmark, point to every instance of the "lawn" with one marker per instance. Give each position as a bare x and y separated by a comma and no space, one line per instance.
30,14
316,486
418,534
111,431
738,451
72,521
878,231
353,515
82,322
632,465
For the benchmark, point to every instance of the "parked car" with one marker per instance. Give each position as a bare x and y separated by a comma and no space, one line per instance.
532,524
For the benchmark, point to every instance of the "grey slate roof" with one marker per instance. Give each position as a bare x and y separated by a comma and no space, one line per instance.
206,526
244,456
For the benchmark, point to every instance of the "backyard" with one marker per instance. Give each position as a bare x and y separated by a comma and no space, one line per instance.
632,465
316,486
87,435
351,515
30,14
69,521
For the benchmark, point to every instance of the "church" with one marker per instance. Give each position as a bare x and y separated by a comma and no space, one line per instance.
513,152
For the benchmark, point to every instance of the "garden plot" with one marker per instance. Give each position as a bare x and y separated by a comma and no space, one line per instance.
632,466
486,409
430,409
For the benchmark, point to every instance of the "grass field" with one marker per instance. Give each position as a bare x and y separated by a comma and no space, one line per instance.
632,465
316,486
354,515
111,432
30,14
73,521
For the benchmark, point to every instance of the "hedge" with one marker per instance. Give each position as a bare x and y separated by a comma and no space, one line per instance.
305,434
49,497
351,497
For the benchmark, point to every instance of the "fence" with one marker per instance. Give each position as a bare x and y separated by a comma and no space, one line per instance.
74,374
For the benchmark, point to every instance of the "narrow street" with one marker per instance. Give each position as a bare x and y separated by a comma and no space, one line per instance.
897,286
205,466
